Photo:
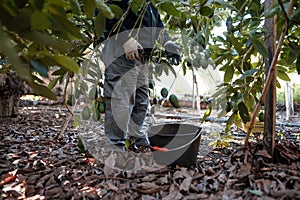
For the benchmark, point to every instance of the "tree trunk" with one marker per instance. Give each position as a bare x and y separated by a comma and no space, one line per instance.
11,89
270,100
289,103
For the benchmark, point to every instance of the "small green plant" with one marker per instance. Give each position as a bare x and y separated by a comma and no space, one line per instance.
281,136
221,140
280,97
296,92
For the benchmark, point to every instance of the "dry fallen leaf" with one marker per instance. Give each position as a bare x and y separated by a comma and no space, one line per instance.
147,185
185,185
245,170
55,169
263,153
173,194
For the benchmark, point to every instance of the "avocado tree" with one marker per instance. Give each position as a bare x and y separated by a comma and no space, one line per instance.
251,58
38,35
261,38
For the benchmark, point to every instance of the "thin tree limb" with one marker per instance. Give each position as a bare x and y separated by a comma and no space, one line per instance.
270,75
59,136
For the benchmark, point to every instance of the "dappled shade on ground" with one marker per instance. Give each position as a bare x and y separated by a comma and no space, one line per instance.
35,165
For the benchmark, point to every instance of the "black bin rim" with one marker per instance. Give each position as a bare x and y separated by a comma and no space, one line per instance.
196,135
173,123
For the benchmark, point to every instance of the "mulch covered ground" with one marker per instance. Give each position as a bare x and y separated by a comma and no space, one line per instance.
35,165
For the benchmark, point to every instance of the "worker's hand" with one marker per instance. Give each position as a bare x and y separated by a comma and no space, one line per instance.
131,49
173,52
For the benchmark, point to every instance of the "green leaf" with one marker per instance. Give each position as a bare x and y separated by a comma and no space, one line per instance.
230,122
21,22
207,113
221,39
53,83
116,10
237,44
171,68
6,48
295,16
225,4
66,62
59,72
206,11
257,192
60,3
229,71
43,91
166,69
93,74
202,2
240,5
212,143
243,111
275,10
283,75
136,5
259,47
39,4
47,40
250,101
158,69
184,68
127,143
41,69
100,24
76,121
40,20
248,73
170,8
89,7
104,9
229,25
75,7
66,26
298,64
219,60
21,3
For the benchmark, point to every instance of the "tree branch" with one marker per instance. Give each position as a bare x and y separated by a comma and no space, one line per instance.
270,75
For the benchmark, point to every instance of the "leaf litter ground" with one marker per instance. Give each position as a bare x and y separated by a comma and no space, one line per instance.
34,165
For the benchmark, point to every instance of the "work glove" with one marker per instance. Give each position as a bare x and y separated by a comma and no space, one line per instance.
132,49
173,52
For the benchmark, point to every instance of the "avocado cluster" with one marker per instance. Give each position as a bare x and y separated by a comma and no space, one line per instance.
172,97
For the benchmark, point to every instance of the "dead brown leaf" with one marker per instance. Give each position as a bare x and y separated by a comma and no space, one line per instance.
148,197
263,153
8,179
183,173
147,185
245,170
173,194
185,185
150,177
54,192
111,186
56,170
